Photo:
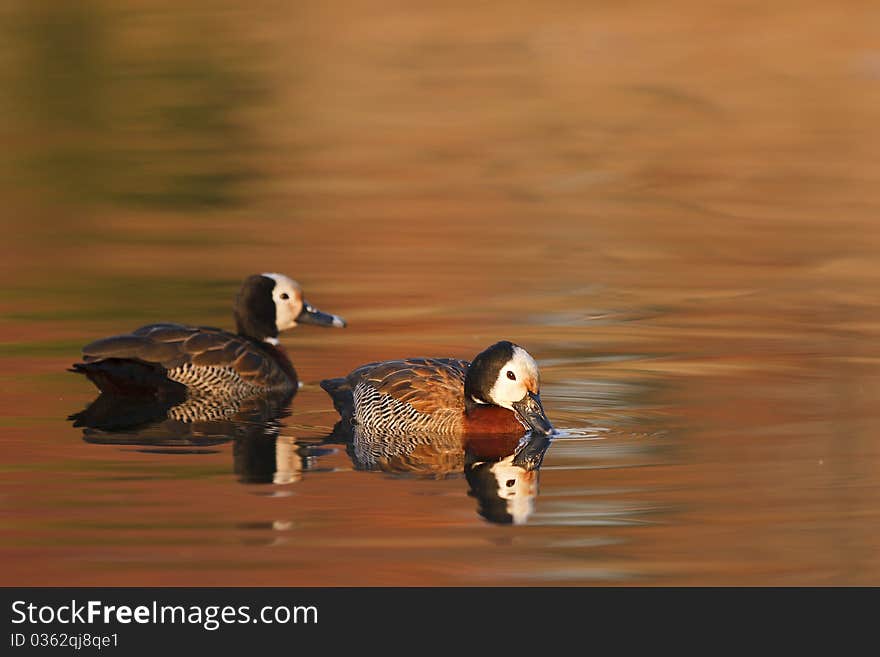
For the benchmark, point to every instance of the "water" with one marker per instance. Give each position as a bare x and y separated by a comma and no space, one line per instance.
675,211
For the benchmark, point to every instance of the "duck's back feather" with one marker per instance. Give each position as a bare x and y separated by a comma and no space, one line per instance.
204,359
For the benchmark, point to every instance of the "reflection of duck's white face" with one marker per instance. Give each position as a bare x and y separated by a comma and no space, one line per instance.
288,297
518,487
288,462
516,379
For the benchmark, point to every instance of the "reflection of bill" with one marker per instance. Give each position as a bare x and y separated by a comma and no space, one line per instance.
505,484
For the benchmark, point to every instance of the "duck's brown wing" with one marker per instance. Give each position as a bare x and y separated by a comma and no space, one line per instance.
428,385
175,347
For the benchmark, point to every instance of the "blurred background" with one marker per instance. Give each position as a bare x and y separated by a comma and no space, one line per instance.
673,206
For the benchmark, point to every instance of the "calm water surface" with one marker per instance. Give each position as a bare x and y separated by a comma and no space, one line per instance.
675,211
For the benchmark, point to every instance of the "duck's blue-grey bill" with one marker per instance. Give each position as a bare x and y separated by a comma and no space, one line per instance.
311,315
530,411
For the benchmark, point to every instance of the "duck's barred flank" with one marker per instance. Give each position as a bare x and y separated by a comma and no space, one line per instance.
215,393
218,381
381,411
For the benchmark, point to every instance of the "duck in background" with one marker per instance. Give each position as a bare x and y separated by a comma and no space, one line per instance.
177,361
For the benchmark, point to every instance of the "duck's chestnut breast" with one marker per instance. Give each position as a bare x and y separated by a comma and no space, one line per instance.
491,419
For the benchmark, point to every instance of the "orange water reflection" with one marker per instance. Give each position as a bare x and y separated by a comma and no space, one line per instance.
673,208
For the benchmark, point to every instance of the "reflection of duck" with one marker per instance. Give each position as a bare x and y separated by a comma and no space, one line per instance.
171,360
501,469
261,454
418,454
275,460
505,484
497,393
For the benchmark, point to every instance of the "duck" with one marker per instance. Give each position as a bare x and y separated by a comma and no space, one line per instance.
178,361
497,392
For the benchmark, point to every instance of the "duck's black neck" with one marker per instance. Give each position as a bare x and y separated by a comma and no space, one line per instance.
470,405
254,309
254,329
473,399
475,382
482,373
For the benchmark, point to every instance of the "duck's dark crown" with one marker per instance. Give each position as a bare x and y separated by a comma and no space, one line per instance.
483,372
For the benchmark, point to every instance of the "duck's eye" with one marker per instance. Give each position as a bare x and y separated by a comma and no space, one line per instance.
285,296
511,375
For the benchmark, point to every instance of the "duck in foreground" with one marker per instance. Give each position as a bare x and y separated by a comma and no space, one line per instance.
175,360
499,392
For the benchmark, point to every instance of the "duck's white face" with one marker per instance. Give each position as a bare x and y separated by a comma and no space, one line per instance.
516,379
288,298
